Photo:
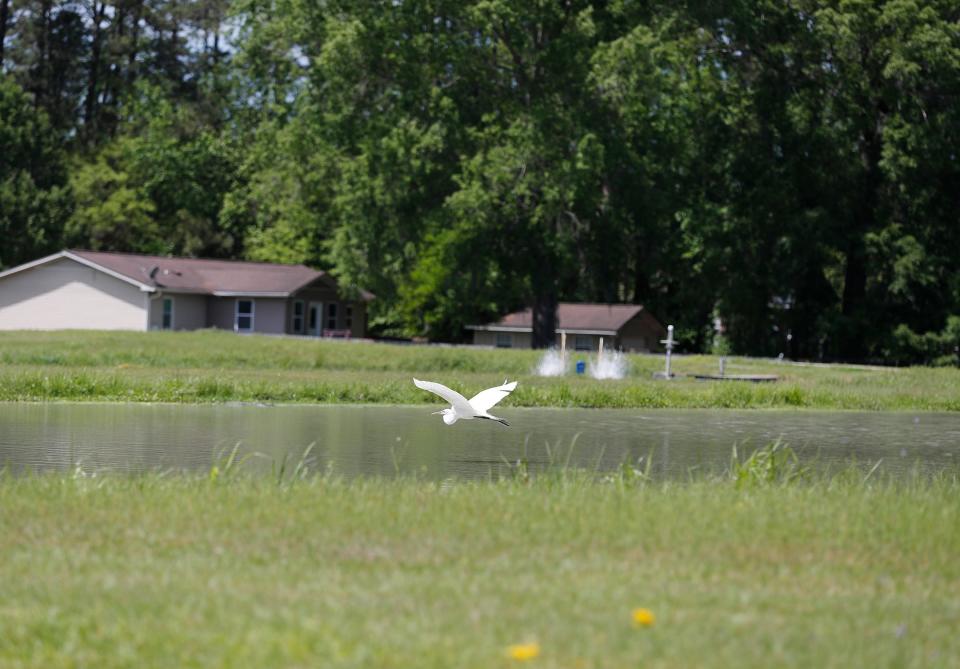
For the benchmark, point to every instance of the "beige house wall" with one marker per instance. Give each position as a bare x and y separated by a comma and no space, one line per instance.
189,311
517,339
64,294
220,312
269,313
156,313
482,338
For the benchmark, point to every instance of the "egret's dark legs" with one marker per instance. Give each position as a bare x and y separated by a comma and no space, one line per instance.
499,420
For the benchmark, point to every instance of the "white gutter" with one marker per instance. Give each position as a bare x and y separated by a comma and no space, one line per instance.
505,328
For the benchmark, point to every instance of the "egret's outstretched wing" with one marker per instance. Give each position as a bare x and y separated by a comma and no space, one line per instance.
486,399
458,401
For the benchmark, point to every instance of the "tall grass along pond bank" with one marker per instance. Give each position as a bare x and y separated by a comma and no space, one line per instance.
561,570
218,366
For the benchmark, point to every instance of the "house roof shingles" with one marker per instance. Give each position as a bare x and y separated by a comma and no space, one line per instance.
574,316
211,277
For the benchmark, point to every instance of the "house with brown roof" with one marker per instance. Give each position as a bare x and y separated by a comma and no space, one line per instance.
97,290
627,327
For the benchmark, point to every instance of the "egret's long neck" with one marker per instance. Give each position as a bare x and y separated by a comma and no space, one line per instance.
449,417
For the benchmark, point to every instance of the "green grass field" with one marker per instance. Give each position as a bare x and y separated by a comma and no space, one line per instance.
765,565
218,366
242,572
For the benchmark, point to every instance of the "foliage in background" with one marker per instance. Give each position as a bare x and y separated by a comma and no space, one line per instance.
34,196
786,168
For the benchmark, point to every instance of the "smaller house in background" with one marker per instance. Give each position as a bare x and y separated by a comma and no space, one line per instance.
627,327
126,291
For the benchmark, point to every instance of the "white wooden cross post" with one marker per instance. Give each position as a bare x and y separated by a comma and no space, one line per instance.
669,341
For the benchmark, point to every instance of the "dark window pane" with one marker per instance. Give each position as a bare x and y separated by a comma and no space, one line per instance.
167,313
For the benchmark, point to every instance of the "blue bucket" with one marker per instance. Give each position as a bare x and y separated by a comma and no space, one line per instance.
581,366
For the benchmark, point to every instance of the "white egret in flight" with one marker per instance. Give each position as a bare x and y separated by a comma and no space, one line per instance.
463,409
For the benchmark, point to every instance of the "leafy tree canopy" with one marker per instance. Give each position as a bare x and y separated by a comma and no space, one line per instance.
769,177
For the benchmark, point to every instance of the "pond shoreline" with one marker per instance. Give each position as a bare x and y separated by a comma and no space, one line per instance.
658,409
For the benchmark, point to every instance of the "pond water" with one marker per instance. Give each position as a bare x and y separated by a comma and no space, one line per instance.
386,440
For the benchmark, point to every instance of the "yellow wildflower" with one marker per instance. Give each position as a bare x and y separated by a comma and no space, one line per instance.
643,618
523,651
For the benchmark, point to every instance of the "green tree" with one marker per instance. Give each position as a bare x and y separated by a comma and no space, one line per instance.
787,167
668,125
279,196
110,212
34,198
158,187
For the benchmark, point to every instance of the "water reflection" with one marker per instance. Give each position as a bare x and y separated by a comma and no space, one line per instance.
380,440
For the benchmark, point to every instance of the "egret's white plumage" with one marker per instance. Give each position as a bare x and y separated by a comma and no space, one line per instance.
461,408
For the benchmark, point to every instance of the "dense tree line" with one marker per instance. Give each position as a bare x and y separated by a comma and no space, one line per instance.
770,176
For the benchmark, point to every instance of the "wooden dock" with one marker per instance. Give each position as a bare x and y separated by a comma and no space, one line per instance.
752,378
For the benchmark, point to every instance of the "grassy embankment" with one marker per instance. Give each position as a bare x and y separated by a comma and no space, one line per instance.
240,572
218,366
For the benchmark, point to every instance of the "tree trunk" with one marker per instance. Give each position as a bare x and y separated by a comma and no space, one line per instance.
90,108
854,294
641,279
4,13
41,87
134,44
114,84
853,335
545,319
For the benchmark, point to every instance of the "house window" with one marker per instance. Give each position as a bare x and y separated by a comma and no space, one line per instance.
331,316
348,317
167,322
504,340
583,343
298,316
243,318
313,318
